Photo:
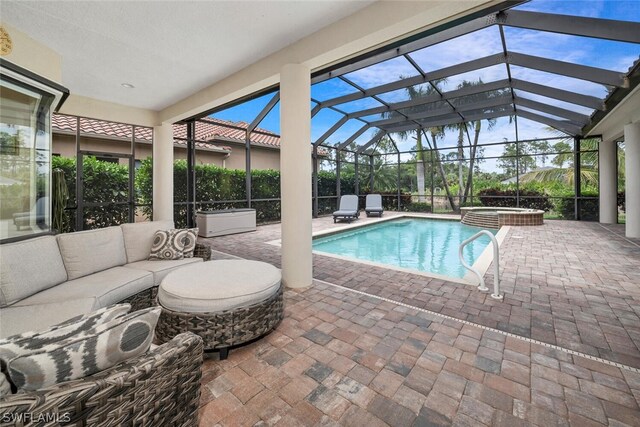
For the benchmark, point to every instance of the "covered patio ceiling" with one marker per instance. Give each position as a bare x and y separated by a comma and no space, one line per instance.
508,83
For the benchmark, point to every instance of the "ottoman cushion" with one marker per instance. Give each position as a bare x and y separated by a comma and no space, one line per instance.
216,286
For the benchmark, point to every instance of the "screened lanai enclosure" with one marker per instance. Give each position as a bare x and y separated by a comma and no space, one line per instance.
499,108
495,109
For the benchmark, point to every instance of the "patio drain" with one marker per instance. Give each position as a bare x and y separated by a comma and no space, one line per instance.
508,334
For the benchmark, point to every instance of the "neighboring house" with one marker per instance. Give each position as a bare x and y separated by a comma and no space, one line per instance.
218,142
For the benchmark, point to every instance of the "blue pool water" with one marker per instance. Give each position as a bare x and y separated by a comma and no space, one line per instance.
419,244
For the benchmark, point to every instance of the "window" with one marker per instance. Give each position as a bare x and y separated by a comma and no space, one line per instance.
25,153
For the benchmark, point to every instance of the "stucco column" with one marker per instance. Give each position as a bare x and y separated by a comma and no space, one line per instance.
163,172
295,175
608,182
632,179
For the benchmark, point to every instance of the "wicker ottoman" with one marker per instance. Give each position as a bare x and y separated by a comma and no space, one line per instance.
226,302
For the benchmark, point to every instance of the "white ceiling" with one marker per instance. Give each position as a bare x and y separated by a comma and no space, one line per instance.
167,50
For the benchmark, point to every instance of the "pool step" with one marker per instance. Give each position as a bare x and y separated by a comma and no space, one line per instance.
484,220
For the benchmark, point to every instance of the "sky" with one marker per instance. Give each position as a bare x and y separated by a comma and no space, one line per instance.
610,55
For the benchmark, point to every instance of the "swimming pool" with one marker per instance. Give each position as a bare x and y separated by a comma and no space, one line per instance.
426,245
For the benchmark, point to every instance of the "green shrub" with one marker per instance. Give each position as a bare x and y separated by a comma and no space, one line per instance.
218,188
469,203
418,207
529,199
105,183
390,201
589,208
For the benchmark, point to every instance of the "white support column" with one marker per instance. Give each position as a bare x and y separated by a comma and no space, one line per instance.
163,172
632,179
607,167
295,173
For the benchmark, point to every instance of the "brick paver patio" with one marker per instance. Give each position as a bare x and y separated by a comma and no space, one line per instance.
443,353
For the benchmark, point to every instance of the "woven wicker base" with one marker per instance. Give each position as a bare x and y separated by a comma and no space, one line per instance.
226,328
142,299
158,388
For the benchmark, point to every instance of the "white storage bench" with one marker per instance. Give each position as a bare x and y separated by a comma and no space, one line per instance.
228,221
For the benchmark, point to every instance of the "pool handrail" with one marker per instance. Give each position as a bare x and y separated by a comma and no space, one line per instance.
496,263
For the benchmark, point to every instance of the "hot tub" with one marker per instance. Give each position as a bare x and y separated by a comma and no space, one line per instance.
488,217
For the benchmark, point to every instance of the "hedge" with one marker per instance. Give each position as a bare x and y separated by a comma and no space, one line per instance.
529,199
104,182
589,208
216,188
219,188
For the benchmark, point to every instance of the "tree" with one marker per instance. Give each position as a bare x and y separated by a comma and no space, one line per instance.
565,154
416,92
542,149
566,175
463,130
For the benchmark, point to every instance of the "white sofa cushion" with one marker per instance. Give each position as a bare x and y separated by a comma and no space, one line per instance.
161,268
87,252
108,287
19,319
138,238
28,267
216,286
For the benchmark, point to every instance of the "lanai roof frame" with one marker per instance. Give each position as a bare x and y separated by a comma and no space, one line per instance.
567,121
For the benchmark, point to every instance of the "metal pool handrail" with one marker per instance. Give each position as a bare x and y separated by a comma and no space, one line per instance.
496,264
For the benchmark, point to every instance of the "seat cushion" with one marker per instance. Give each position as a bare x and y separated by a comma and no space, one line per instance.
108,287
28,267
87,252
344,213
161,268
138,238
216,286
36,317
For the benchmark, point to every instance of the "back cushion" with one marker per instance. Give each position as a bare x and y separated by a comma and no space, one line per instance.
29,267
87,252
138,238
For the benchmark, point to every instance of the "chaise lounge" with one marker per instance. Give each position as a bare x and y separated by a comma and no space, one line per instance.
373,205
348,208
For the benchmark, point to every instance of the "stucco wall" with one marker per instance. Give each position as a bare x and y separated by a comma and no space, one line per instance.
261,158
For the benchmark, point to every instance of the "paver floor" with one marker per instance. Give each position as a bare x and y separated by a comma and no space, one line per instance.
441,353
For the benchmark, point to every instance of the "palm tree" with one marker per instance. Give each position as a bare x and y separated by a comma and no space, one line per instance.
566,175
476,127
416,92
437,132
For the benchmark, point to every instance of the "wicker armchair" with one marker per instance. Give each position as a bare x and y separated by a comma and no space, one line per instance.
159,388
147,298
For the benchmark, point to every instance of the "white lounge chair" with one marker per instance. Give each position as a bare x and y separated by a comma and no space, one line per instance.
374,205
348,208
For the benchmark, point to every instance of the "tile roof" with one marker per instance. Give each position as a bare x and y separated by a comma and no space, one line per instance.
209,132
210,129
65,124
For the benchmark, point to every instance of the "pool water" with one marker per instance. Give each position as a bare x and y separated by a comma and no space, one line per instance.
427,245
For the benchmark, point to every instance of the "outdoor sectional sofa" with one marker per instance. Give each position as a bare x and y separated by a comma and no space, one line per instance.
48,279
